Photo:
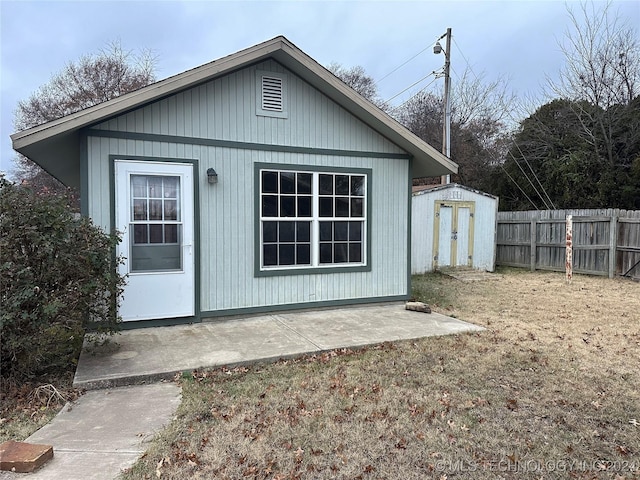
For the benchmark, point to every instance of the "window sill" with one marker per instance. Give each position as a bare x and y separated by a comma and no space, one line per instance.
312,270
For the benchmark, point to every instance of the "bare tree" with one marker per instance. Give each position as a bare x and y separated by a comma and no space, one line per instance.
583,144
422,114
474,98
480,112
91,80
357,78
602,58
602,73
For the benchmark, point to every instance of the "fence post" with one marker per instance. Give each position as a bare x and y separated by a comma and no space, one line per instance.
569,250
532,258
613,245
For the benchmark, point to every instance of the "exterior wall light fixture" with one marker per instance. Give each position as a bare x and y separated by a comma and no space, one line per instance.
212,176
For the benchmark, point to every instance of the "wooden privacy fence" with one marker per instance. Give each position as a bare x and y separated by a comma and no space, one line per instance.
605,242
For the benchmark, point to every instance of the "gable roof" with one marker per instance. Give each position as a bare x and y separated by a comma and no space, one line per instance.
54,145
426,189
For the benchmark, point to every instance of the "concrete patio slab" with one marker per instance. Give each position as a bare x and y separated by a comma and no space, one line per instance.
354,327
149,354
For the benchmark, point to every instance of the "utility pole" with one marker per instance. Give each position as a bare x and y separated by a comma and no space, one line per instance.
446,124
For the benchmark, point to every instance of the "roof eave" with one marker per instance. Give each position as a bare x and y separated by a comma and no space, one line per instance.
338,91
427,160
116,106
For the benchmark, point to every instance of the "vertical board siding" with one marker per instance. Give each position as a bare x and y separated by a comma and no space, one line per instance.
605,241
225,109
227,230
422,226
229,266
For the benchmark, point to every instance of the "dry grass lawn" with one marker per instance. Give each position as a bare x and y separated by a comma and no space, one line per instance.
549,390
28,407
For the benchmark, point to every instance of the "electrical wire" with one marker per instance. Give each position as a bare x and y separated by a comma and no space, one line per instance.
535,176
403,64
529,180
534,173
413,85
519,187
463,56
477,79
417,93
517,146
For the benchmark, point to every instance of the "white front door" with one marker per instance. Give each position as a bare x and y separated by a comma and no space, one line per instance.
154,207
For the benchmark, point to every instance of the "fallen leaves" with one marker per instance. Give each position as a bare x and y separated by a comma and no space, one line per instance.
25,408
623,450
160,465
401,443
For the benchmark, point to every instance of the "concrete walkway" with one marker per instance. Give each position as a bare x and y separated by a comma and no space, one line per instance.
106,430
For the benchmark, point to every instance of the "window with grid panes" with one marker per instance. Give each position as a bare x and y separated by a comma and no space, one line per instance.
312,219
341,214
286,218
155,223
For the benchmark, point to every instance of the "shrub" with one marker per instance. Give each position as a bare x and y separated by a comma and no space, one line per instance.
58,277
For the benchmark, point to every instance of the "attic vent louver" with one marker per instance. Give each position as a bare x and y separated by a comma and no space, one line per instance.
272,94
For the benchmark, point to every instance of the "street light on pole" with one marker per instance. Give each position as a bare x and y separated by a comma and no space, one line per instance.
446,127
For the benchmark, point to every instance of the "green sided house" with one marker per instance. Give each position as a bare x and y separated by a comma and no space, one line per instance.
254,183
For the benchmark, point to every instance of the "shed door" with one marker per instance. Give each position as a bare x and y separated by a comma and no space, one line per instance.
453,234
154,212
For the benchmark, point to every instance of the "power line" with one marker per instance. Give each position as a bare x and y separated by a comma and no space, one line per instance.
463,56
535,176
407,61
532,170
523,156
530,182
402,65
417,93
514,181
519,187
413,85
477,79
517,146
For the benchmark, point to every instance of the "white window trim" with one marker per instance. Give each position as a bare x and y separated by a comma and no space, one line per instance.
315,220
260,111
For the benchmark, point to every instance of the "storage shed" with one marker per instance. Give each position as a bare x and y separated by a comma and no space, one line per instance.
453,226
257,182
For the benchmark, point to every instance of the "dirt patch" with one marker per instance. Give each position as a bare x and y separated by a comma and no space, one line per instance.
550,390
465,274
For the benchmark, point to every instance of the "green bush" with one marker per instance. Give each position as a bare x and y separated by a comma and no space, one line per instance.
58,278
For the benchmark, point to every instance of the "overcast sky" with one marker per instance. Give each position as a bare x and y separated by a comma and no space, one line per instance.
516,40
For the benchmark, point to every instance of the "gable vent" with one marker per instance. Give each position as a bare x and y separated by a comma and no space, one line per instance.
272,94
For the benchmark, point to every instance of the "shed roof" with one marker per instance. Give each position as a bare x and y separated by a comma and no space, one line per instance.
55,145
427,189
